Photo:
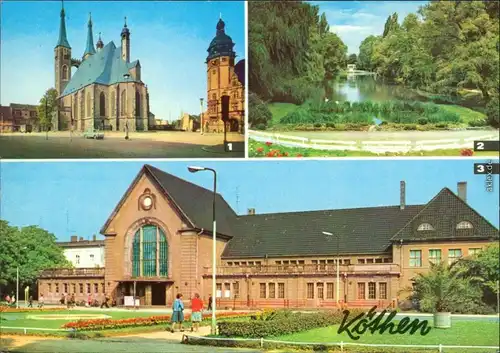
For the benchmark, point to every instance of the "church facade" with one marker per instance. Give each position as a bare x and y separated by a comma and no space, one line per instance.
106,92
224,77
158,243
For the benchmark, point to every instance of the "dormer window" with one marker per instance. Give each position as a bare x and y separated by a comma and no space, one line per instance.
464,225
425,226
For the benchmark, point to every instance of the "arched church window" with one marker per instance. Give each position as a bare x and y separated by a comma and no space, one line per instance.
102,104
149,252
65,72
88,104
137,103
123,103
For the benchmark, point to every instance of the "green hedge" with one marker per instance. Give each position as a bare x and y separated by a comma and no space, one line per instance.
399,112
283,323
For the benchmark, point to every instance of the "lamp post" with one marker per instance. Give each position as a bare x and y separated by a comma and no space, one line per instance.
17,278
201,115
194,169
338,266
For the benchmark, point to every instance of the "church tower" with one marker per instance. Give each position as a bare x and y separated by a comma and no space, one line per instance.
62,63
89,49
125,42
220,66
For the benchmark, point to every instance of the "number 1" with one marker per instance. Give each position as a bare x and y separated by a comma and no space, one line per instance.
230,146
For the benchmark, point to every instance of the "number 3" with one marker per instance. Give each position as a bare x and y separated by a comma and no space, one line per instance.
480,168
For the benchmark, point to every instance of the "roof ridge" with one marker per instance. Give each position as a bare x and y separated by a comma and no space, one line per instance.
327,210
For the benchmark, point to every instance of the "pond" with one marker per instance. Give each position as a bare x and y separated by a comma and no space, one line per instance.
366,88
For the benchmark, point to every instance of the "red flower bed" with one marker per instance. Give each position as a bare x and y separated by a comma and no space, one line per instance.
102,324
466,152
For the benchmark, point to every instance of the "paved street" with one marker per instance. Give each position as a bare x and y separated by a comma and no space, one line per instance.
160,144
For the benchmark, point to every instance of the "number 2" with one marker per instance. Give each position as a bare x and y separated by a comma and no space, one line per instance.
480,146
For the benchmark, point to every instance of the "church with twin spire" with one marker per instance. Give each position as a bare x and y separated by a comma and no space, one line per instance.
105,92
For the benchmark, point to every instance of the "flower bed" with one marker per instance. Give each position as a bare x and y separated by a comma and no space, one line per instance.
104,324
283,323
8,309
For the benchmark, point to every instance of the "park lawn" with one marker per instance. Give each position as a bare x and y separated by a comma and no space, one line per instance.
310,152
462,333
466,114
279,110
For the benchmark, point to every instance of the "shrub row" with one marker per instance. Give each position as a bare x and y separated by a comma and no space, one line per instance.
10,309
105,324
400,112
283,324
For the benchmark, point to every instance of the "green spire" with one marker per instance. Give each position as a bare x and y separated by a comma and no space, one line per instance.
90,49
63,41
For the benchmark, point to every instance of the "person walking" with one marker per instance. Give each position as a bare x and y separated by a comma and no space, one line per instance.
13,300
105,302
177,313
209,308
196,314
41,301
30,302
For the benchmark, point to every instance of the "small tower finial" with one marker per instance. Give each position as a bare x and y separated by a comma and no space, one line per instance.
125,21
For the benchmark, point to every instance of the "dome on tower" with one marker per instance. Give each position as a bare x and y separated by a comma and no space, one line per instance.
125,30
222,44
99,44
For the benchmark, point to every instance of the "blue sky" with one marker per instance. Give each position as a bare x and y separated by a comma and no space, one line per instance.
77,197
170,39
353,21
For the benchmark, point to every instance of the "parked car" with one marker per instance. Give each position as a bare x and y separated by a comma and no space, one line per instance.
93,134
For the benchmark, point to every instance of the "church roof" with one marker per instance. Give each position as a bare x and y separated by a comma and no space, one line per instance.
106,67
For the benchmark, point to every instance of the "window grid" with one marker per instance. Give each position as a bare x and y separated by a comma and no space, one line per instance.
281,290
464,225
272,290
310,291
435,256
415,258
329,291
372,290
382,290
361,290
263,291
236,289
320,290
425,226
454,255
149,252
57,287
474,251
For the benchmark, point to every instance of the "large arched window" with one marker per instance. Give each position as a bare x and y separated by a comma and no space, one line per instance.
102,104
149,252
123,103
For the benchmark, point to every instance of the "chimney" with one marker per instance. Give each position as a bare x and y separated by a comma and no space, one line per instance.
402,196
74,238
94,238
462,190
251,211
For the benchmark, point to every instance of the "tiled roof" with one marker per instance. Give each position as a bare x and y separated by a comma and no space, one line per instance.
360,231
81,243
196,202
23,106
106,67
443,213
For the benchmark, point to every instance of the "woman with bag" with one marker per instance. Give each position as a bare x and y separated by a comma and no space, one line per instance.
177,313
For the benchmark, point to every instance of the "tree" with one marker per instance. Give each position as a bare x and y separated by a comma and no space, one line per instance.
352,59
365,57
45,111
32,249
258,112
443,289
484,269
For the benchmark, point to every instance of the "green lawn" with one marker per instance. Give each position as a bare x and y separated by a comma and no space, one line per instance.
310,152
461,333
465,114
279,110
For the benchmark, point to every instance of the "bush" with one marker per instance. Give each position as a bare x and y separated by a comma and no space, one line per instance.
492,112
282,324
260,126
259,113
478,123
422,121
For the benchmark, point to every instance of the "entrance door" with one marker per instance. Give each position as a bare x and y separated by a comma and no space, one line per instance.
158,294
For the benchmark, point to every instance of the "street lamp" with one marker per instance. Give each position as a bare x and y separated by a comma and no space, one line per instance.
338,266
194,169
17,280
201,115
